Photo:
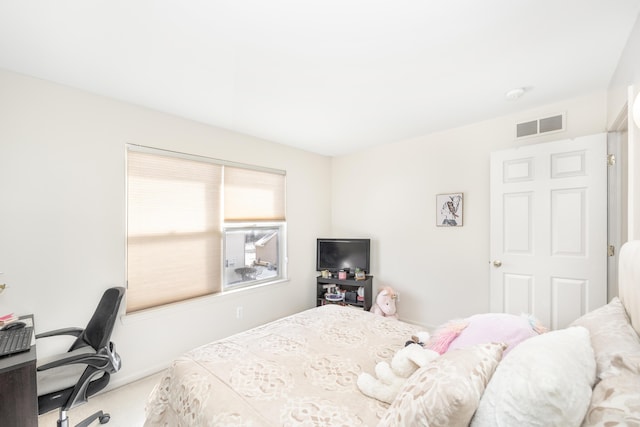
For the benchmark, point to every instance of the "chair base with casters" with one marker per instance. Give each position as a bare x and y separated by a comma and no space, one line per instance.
68,380
63,419
101,416
50,401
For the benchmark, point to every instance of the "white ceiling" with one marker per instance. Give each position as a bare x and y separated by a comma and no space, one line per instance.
329,76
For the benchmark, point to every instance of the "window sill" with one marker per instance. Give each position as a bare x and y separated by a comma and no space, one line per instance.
185,307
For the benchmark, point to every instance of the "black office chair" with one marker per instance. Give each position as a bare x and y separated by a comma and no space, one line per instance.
70,378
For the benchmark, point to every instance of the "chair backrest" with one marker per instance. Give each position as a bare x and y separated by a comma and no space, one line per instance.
97,334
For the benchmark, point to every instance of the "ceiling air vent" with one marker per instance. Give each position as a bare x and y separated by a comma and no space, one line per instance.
540,126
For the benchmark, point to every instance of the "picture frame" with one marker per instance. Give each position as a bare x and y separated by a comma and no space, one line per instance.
449,210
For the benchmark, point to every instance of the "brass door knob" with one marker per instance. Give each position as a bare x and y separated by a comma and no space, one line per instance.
497,263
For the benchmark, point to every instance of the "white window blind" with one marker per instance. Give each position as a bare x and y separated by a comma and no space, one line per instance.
177,207
173,230
253,195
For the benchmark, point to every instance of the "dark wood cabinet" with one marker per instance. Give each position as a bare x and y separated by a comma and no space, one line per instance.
350,286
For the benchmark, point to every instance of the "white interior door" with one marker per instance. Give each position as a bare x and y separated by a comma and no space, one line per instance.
549,229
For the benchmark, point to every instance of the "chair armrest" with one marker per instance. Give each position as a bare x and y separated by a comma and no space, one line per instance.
64,331
96,360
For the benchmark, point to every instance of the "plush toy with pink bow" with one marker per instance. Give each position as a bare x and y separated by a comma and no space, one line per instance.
385,304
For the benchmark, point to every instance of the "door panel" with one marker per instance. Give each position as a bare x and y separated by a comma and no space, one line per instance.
549,229
568,300
568,221
518,223
518,289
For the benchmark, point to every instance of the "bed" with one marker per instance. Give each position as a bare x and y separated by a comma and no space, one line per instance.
302,370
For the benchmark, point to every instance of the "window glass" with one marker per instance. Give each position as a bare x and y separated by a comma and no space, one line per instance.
252,254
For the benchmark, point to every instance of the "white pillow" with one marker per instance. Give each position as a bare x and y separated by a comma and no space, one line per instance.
545,381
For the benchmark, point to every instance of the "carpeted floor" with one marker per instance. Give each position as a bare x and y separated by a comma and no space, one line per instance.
124,404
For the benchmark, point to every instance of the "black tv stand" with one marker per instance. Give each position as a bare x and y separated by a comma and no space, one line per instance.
350,285
334,276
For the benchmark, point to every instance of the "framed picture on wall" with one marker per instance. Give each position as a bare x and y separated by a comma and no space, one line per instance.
449,210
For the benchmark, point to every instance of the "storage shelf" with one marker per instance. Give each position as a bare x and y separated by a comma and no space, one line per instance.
350,285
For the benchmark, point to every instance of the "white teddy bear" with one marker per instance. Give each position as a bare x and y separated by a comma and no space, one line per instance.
390,378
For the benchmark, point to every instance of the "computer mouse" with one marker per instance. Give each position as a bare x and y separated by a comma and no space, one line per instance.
13,325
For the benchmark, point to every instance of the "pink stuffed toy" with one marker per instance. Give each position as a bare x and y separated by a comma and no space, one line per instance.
483,328
385,304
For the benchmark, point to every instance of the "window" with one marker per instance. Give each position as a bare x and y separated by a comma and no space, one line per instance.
251,254
199,226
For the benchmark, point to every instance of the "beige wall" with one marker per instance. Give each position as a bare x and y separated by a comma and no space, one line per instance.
62,218
388,193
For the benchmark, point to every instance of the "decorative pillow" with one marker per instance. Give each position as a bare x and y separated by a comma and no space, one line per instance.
611,335
447,391
484,328
626,362
615,402
545,381
616,399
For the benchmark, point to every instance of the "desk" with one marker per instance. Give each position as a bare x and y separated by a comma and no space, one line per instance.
18,388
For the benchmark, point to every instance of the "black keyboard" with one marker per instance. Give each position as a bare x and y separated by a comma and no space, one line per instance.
15,340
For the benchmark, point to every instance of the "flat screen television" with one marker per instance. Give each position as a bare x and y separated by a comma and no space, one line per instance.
343,254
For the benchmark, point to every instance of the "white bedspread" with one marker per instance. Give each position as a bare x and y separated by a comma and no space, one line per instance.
297,371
